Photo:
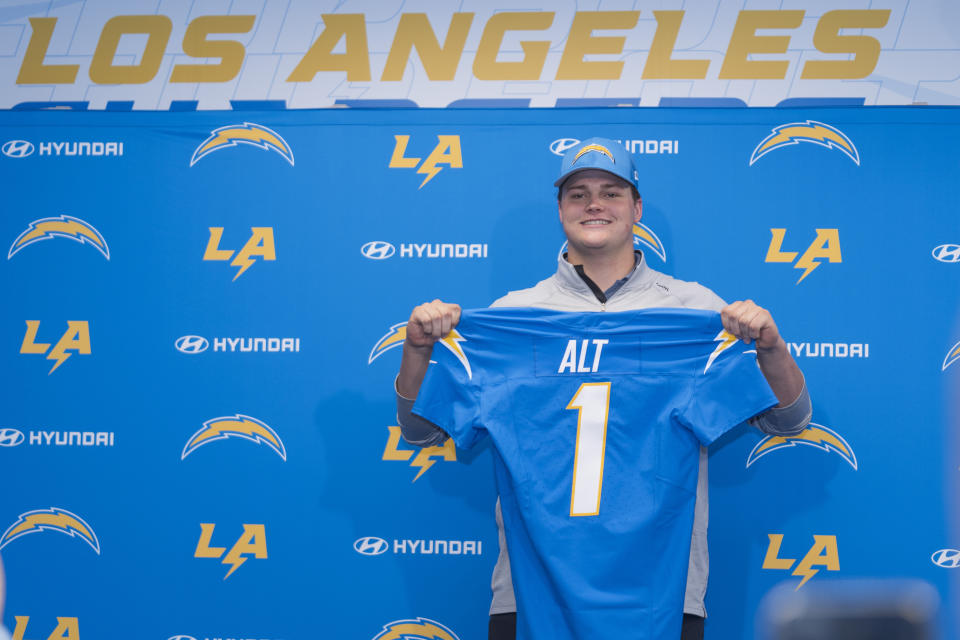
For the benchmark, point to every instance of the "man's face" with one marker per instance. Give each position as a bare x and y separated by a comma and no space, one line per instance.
597,211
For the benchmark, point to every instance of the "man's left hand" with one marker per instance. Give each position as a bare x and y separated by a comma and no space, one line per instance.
749,321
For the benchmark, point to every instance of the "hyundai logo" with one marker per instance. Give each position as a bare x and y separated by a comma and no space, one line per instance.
371,546
192,344
561,146
17,149
947,253
181,638
377,250
10,437
948,558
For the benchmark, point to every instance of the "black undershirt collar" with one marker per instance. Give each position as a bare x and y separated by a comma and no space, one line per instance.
603,296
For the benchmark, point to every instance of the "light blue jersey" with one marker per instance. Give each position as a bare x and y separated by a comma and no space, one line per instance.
596,421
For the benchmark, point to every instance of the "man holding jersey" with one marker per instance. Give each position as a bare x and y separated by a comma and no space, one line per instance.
598,204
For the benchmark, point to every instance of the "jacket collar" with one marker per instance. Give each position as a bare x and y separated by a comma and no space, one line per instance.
640,278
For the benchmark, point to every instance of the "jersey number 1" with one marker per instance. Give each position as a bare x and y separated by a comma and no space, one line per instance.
592,402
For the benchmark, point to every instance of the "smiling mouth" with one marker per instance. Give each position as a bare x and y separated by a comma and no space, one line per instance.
595,222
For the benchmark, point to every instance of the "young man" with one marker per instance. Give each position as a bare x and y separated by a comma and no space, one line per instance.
598,203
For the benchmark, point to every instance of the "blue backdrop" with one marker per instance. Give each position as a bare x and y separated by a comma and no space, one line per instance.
198,428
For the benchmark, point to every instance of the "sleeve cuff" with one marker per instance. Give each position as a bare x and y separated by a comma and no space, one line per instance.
416,430
786,421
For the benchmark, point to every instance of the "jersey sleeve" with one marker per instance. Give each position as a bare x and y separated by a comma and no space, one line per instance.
728,388
450,399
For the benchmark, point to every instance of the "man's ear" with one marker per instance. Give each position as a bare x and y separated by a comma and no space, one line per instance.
638,210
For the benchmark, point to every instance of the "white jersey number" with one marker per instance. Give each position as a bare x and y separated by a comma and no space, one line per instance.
592,402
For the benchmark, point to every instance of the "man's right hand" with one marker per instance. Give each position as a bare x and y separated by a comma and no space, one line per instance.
428,323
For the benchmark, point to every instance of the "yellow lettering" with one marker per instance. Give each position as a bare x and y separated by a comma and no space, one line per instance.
196,45
252,541
414,30
447,451
67,629
485,65
865,49
660,64
77,337
102,68
581,42
826,245
398,160
213,250
260,244
446,152
745,42
823,553
774,254
772,559
32,69
29,345
204,550
20,627
320,57
392,450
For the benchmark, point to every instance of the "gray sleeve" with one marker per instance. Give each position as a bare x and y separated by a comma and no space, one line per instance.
786,421
414,429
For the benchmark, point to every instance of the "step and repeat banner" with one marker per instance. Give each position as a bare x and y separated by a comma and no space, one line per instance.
181,55
202,315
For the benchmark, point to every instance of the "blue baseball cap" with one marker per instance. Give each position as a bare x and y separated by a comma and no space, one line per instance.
599,153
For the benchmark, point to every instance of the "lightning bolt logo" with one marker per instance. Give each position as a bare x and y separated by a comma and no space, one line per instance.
598,148
59,355
808,264
430,171
52,519
419,629
60,227
726,340
243,261
246,133
806,572
393,338
644,235
815,435
952,356
398,333
235,559
239,426
424,460
808,131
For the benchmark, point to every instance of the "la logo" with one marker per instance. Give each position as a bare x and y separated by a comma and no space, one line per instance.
425,455
823,553
252,542
67,629
76,338
825,246
446,152
259,245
